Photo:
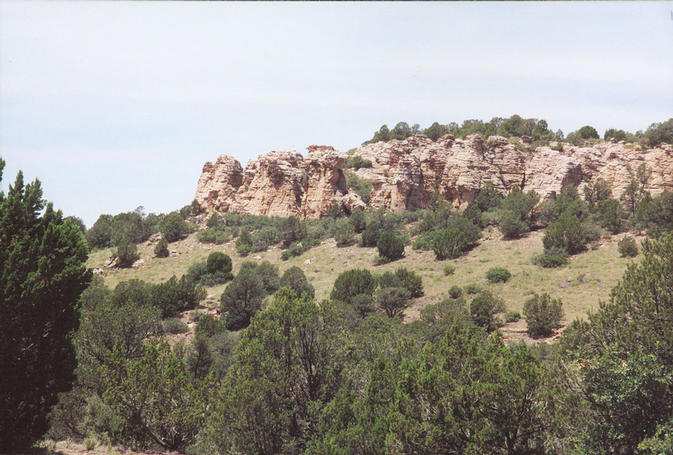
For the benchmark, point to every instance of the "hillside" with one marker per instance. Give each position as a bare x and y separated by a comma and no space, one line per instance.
581,285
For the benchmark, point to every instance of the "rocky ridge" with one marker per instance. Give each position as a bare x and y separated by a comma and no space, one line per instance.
404,173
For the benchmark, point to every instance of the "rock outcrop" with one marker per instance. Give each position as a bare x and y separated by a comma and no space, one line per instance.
404,174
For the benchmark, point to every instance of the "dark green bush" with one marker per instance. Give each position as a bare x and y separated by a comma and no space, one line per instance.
173,227
512,226
291,230
216,270
295,279
208,325
553,257
244,243
512,316
217,235
543,314
402,277
357,219
161,249
344,233
356,162
392,300
390,247
498,275
174,296
242,298
449,269
472,289
566,233
455,292
363,304
174,326
268,273
627,247
351,283
218,262
126,253
483,309
610,215
449,244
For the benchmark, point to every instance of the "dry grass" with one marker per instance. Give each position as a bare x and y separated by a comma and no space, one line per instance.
581,285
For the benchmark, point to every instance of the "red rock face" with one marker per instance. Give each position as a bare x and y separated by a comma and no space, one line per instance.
405,173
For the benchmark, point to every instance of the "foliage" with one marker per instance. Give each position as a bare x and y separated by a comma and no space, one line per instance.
244,242
295,279
176,295
517,217
596,191
361,186
356,162
455,291
161,248
392,300
351,283
566,233
551,258
126,253
627,247
42,274
173,227
472,289
382,220
291,230
449,269
498,275
357,219
174,325
402,277
390,247
344,233
217,235
635,191
610,215
512,316
242,298
449,244
543,314
484,307
659,133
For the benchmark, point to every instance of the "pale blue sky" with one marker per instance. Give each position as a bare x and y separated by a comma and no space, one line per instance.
118,104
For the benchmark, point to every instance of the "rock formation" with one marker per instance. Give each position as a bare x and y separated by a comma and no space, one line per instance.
404,174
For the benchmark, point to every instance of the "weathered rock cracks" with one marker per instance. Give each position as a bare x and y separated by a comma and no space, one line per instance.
405,173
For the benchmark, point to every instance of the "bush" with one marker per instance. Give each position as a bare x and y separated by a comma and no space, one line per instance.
449,244
403,278
512,316
627,247
498,275
295,279
512,226
268,273
174,326
449,269
173,227
543,314
351,283
566,233
392,300
217,235
472,289
483,309
218,262
208,325
553,257
455,292
174,296
364,304
242,298
244,243
361,186
357,219
356,162
344,233
390,247
126,253
291,230
610,215
161,249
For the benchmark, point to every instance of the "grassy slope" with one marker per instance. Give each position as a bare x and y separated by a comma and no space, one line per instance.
581,285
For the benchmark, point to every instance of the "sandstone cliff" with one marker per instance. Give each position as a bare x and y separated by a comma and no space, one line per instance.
405,173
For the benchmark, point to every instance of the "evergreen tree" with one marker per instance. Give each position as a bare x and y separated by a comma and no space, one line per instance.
42,274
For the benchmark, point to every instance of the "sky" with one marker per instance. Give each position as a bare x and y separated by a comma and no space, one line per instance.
115,105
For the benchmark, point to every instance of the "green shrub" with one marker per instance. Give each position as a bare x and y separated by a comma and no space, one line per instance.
551,258
351,283
344,233
356,162
244,243
390,247
392,300
455,292
208,325
363,304
174,296
127,253
216,235
472,289
218,262
161,249
449,244
402,277
627,247
268,273
512,316
483,309
566,233
216,270
242,298
295,279
174,326
498,275
357,219
449,269
543,314
173,227
512,226
361,186
291,230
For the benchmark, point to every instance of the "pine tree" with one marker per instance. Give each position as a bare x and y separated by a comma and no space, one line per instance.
42,274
